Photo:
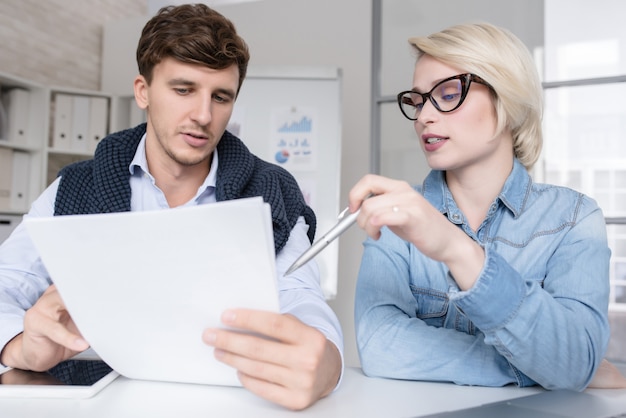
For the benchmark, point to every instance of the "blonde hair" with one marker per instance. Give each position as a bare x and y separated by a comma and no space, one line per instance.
503,61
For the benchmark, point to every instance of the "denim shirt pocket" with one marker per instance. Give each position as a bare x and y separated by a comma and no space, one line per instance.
432,305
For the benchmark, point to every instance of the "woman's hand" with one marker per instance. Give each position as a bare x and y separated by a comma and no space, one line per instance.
410,216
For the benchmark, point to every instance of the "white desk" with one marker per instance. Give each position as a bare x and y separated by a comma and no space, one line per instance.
358,396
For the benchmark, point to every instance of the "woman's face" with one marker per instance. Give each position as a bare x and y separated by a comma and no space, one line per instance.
465,137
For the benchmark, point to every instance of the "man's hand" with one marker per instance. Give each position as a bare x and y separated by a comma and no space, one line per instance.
294,366
50,336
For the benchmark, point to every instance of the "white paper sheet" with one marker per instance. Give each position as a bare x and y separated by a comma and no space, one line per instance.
142,286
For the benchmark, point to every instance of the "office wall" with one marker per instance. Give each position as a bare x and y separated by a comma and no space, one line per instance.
323,33
58,42
339,34
328,32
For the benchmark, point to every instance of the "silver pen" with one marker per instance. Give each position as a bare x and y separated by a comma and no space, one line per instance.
341,226
344,223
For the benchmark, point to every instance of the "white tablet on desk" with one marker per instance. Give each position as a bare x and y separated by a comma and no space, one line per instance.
87,377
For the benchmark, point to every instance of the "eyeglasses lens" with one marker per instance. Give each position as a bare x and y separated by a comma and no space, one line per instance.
445,97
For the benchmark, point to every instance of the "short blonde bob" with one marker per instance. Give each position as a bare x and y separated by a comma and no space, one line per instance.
502,60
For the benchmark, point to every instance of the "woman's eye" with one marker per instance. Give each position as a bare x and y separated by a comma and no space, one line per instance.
450,96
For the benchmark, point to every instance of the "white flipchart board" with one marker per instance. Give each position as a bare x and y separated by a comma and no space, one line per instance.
292,117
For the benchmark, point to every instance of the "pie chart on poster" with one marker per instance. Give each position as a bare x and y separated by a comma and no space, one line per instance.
282,156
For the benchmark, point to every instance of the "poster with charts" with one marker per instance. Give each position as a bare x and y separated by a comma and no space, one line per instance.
293,138
291,117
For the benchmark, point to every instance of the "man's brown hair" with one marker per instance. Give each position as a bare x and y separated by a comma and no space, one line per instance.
191,33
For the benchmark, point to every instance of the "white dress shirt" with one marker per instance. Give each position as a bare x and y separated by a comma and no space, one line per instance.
23,277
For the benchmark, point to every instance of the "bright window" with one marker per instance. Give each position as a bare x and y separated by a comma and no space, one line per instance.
585,114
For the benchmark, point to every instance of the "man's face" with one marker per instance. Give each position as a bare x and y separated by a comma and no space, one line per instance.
188,107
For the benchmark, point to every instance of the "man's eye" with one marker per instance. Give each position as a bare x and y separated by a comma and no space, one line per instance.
182,91
221,99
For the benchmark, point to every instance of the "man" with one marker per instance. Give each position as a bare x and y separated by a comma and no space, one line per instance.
192,64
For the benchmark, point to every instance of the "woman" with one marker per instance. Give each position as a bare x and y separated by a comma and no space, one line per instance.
480,276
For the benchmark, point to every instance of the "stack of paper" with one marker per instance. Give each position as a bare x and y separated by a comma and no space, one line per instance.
142,286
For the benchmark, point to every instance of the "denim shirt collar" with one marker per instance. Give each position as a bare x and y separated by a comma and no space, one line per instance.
513,195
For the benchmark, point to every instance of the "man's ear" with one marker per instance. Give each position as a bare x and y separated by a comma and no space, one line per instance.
140,87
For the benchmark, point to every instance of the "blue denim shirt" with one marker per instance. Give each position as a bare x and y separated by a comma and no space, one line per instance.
536,315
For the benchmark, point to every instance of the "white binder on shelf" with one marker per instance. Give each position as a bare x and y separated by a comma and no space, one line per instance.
6,174
80,124
17,105
62,129
20,177
4,121
98,120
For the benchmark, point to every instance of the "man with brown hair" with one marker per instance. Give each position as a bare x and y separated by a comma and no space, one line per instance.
192,64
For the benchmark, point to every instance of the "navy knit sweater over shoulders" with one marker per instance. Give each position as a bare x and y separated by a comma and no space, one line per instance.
101,185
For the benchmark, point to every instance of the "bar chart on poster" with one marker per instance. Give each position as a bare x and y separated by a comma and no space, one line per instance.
292,117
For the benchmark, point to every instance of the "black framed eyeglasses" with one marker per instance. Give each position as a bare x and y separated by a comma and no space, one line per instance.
446,96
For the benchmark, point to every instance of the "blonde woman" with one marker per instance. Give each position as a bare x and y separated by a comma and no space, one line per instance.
480,276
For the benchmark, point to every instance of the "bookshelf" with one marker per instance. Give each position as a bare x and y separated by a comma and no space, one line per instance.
22,133
42,129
